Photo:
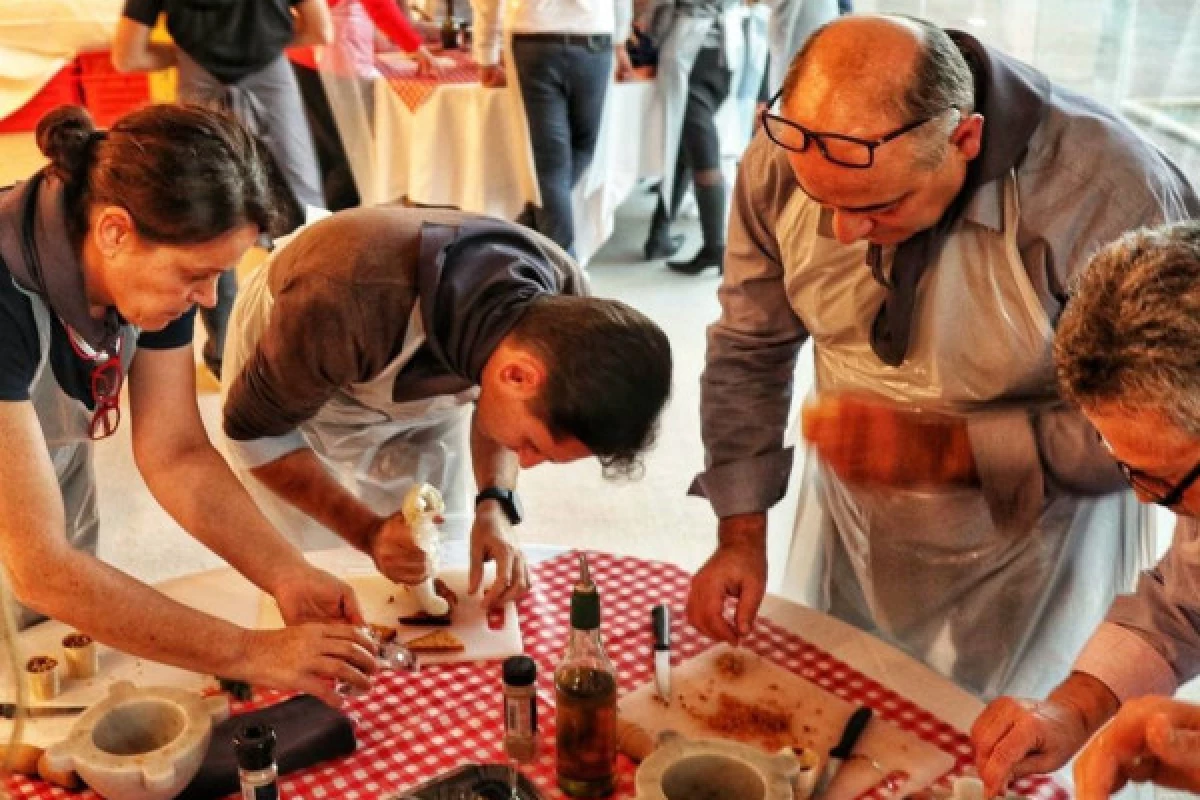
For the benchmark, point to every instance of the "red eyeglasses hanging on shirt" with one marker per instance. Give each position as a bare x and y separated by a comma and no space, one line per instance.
107,378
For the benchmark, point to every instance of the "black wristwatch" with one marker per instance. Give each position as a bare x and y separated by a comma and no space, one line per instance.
508,500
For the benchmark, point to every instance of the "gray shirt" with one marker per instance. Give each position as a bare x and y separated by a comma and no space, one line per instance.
1086,178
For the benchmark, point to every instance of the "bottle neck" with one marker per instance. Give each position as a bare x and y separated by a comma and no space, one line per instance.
585,643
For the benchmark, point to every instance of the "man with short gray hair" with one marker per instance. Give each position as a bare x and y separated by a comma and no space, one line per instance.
916,204
1128,355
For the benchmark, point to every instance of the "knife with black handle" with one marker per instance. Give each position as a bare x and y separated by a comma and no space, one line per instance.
844,748
660,621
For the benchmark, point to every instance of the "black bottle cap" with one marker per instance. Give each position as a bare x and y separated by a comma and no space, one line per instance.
520,671
254,747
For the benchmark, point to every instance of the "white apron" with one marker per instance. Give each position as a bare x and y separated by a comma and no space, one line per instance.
676,57
65,424
376,447
998,611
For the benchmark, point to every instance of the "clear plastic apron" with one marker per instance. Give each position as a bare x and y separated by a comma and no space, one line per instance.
65,423
999,611
376,447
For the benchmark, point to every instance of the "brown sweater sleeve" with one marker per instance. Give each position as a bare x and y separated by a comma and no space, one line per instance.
343,294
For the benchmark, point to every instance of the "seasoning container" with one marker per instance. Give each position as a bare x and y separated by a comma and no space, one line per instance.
42,677
81,654
254,749
520,708
585,685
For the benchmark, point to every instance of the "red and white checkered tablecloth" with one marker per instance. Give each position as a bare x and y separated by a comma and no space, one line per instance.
415,727
414,91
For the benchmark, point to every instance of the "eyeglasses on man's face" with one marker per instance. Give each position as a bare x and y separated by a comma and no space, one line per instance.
837,148
1159,491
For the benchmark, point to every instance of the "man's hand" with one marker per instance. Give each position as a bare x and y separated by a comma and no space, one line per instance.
737,569
1153,739
1016,737
427,66
396,553
492,76
624,66
869,442
492,540
1013,738
308,594
307,658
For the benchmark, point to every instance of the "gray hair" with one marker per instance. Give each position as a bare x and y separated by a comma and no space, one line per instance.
941,80
1130,335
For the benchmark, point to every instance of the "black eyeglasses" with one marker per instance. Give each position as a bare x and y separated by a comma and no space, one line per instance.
838,148
1161,492
107,378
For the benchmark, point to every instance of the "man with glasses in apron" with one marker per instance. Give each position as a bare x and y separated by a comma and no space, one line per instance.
918,210
1126,352
373,343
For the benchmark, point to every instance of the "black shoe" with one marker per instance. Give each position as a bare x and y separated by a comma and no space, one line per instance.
663,246
714,257
527,218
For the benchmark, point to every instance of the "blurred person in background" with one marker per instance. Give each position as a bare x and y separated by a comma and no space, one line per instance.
231,53
561,54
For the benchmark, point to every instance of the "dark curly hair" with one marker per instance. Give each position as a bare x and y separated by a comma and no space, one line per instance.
185,173
608,375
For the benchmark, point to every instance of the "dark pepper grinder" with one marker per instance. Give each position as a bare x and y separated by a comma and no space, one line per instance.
254,748
449,28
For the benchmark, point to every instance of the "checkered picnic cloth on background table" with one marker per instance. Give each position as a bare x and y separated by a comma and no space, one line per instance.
414,91
414,727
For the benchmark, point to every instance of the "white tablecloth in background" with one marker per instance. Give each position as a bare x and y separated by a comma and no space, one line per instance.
463,148
38,38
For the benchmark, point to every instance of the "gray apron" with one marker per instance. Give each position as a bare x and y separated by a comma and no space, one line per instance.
65,423
999,611
791,23
268,103
377,447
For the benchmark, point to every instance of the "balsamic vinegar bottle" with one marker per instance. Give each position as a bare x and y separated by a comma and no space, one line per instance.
585,684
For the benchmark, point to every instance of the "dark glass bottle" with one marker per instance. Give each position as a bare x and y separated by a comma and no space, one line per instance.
585,685
450,28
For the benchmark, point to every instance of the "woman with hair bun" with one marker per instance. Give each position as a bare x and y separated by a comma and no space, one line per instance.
104,256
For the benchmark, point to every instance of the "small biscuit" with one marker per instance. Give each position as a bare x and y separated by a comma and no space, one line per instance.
21,759
68,780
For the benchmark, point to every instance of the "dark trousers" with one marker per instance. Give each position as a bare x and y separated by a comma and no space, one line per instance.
700,147
563,82
337,181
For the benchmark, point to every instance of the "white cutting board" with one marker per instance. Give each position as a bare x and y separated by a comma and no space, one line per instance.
383,602
817,720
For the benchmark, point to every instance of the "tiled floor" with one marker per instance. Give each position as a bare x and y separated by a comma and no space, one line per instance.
1131,53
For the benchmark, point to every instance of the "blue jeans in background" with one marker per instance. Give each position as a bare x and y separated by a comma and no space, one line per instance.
564,78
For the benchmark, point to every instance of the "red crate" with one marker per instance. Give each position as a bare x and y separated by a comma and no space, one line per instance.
109,94
61,90
109,97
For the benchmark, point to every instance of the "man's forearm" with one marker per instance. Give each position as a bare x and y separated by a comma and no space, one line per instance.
222,516
749,530
1089,697
301,479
